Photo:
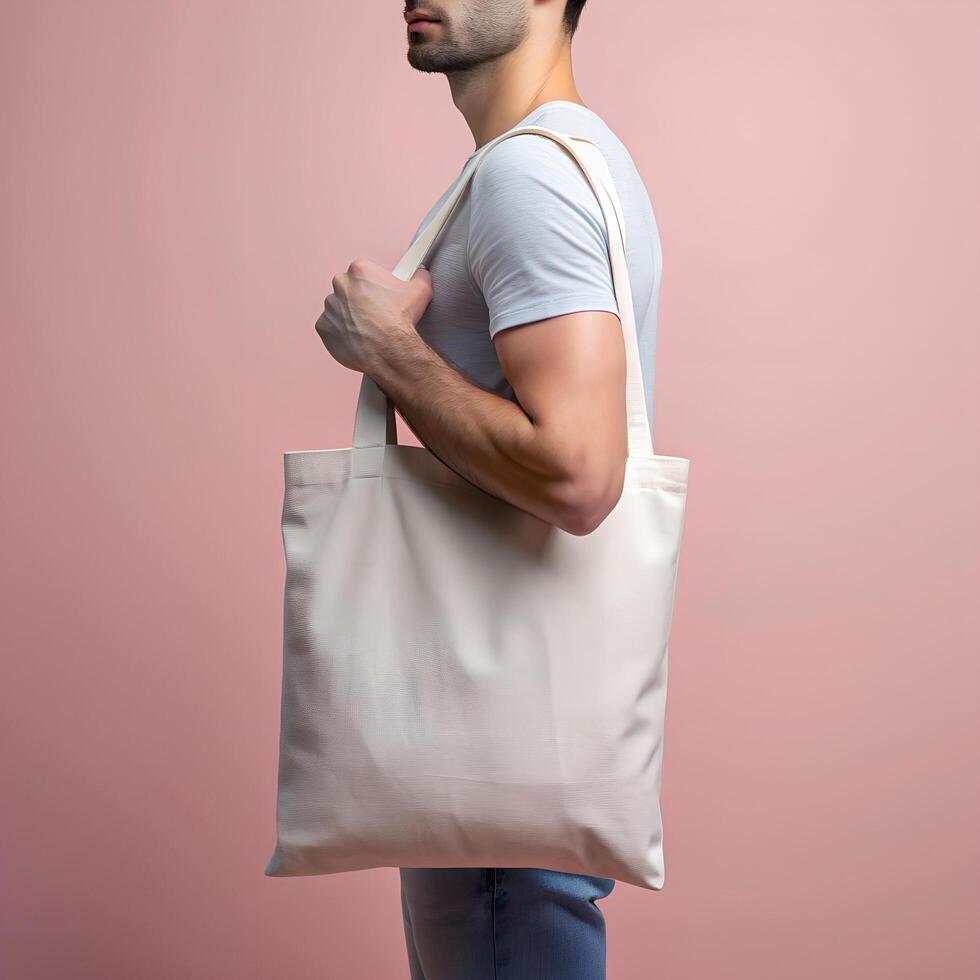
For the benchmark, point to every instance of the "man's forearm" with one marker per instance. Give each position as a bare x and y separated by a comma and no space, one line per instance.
487,439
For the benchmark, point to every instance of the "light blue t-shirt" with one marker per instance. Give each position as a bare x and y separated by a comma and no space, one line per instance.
527,241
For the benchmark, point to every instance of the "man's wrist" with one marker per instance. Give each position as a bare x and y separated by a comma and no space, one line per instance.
390,362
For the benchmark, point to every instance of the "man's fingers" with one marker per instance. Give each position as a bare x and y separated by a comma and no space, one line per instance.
424,281
323,320
421,293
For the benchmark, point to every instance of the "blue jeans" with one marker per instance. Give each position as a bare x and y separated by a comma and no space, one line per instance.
503,924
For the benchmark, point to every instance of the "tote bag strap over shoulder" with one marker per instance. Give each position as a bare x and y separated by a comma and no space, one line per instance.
374,422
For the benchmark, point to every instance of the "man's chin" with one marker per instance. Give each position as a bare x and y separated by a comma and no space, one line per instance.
429,58
426,60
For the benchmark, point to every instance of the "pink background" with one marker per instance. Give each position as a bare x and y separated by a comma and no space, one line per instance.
182,180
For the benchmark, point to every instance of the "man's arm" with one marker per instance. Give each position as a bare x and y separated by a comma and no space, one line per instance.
561,453
537,251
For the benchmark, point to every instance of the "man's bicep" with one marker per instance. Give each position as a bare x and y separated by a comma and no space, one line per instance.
569,375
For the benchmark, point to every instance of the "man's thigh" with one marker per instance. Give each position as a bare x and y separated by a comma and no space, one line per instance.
503,924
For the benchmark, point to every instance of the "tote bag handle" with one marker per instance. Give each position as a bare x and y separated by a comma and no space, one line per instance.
374,421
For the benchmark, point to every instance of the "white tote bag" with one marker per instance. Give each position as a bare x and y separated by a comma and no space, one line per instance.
465,685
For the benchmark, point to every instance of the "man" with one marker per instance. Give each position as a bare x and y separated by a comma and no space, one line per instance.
506,358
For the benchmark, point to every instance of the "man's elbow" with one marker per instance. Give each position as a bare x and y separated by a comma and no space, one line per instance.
587,503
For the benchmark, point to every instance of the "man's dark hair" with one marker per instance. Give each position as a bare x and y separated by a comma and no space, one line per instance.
573,10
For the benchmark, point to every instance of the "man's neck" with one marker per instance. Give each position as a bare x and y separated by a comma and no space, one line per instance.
503,92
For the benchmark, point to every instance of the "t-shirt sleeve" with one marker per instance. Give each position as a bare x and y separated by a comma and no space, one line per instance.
537,244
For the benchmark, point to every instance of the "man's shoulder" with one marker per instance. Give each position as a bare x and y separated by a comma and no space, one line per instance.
525,152
528,163
533,157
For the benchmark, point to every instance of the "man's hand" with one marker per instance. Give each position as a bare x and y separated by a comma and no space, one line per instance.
367,307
